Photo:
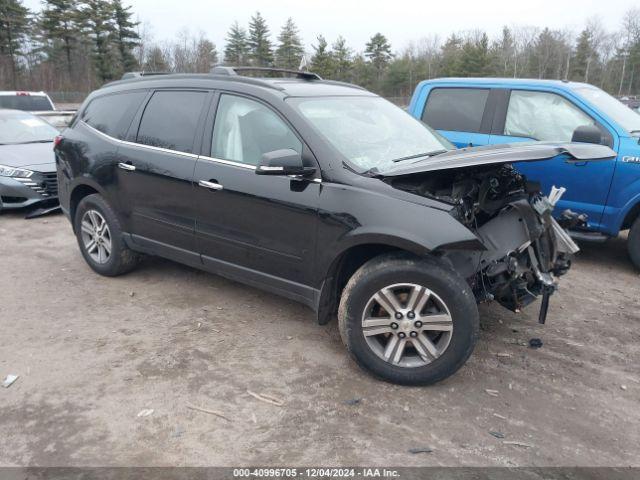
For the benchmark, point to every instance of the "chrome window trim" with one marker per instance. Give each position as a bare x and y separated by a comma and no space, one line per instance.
228,162
140,145
176,152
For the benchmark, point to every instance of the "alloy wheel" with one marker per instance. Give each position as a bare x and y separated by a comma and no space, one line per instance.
96,237
407,325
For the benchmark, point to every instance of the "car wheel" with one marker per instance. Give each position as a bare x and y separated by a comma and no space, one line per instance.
633,243
100,238
408,320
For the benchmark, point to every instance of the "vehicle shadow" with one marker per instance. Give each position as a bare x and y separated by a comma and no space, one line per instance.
612,254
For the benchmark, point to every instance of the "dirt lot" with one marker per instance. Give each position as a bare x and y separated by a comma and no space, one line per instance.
93,352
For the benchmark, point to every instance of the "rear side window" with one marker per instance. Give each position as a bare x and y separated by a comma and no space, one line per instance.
456,109
112,114
170,120
27,103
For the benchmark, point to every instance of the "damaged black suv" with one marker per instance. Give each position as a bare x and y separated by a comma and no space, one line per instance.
321,192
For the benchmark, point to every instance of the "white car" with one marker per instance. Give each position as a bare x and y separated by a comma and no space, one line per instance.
37,103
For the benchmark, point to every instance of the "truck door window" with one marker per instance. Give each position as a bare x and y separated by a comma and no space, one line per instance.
455,109
543,116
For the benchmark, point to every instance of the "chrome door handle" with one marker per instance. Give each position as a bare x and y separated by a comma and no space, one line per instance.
126,166
210,185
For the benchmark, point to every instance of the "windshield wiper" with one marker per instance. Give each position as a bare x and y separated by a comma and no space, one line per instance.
35,141
419,155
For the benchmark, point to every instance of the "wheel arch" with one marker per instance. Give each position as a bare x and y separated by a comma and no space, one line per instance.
631,216
358,249
78,192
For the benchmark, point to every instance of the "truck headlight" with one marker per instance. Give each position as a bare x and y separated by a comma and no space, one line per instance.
14,172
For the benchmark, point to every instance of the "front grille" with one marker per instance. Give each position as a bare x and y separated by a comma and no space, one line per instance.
51,183
46,184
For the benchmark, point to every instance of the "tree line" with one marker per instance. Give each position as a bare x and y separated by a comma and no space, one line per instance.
77,45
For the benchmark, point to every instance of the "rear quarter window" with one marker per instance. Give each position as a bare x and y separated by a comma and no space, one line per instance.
112,114
456,109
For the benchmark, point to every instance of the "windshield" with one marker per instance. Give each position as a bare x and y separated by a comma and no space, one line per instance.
19,127
370,132
618,111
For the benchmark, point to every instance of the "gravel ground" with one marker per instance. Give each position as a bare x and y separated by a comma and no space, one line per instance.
93,353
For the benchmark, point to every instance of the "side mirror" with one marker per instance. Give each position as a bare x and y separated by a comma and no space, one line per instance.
587,134
283,162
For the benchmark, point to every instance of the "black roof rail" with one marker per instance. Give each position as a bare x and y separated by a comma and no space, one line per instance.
130,75
222,70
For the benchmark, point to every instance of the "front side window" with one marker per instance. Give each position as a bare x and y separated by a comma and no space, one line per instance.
613,108
370,132
112,114
543,116
170,120
244,130
455,109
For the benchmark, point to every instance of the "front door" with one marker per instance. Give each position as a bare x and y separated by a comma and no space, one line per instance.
547,116
259,229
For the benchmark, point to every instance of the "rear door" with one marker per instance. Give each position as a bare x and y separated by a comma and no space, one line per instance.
155,168
256,228
462,114
529,115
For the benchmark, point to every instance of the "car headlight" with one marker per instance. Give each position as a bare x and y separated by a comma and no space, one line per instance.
14,172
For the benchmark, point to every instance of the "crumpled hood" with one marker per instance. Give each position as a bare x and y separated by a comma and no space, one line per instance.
34,156
507,153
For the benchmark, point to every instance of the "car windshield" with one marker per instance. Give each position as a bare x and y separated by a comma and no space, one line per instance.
22,127
370,132
29,103
616,110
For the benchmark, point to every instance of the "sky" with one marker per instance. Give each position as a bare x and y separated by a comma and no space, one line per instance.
401,21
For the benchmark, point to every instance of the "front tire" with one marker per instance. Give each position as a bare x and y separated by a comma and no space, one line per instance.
408,320
633,243
100,238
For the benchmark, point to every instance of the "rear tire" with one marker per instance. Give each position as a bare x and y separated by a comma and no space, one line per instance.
433,327
100,238
633,243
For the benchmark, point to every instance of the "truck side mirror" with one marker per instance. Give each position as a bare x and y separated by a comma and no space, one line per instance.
587,134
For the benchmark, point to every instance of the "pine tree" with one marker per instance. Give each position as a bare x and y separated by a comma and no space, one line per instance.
342,58
378,51
99,26
322,61
260,50
290,49
14,27
236,49
126,38
59,24
582,59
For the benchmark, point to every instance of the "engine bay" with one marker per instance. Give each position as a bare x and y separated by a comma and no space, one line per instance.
526,248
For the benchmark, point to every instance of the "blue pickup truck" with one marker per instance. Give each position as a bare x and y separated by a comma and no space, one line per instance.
485,111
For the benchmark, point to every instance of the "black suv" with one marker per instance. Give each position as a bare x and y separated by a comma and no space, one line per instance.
321,192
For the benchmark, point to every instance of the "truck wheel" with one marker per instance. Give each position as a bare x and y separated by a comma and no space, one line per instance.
100,238
408,320
633,243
